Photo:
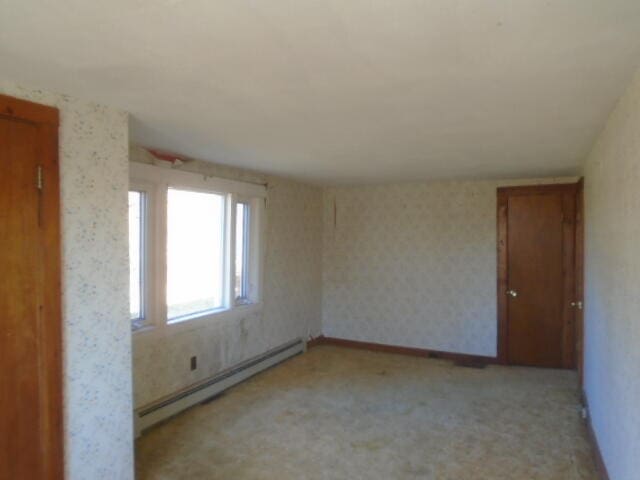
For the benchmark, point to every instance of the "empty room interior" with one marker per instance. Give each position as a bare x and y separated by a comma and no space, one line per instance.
320,240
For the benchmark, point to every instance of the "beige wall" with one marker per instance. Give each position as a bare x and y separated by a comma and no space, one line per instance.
96,328
413,264
612,297
292,294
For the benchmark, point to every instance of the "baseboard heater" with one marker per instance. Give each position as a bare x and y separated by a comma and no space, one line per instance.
149,415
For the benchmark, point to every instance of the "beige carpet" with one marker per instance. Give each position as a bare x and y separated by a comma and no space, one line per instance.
336,413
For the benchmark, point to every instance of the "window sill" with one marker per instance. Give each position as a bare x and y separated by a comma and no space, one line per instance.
199,321
142,329
198,315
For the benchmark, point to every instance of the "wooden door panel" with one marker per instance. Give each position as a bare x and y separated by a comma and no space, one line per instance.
579,281
536,240
30,385
569,278
19,297
535,273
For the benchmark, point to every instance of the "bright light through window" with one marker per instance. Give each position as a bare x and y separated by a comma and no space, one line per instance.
136,209
242,247
195,252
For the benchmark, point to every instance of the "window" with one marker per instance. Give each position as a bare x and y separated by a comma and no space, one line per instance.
195,253
242,253
194,247
136,257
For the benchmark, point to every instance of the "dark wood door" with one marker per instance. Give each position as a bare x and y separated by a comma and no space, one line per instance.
30,343
579,295
538,279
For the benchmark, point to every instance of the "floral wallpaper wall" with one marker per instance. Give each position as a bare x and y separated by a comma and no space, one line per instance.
291,293
612,288
97,340
413,264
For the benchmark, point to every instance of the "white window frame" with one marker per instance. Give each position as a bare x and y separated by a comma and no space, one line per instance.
252,268
159,180
147,226
163,248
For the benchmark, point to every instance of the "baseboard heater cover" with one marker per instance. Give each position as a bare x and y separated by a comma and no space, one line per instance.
150,415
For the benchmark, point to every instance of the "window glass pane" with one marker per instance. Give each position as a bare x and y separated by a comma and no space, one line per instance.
195,252
136,209
242,249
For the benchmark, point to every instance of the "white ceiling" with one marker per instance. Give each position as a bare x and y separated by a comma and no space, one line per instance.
341,91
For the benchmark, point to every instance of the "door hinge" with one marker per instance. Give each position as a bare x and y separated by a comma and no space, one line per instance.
39,179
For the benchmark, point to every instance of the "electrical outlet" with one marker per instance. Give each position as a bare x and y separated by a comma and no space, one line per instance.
194,363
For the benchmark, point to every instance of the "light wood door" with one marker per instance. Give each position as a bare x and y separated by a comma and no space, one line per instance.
30,343
539,279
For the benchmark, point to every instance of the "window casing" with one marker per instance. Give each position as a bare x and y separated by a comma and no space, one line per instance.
188,283
242,252
140,223
136,256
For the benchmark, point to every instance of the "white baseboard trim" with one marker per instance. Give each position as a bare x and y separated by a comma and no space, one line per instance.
149,415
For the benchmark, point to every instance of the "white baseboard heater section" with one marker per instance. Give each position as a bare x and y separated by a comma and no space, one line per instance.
150,415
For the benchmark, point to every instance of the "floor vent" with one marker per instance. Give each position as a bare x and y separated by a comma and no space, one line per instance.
150,415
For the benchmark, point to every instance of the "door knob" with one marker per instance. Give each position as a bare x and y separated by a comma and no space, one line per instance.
577,305
512,293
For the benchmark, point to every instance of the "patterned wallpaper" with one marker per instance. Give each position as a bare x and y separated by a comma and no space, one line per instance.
97,340
413,264
292,293
612,290
409,264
